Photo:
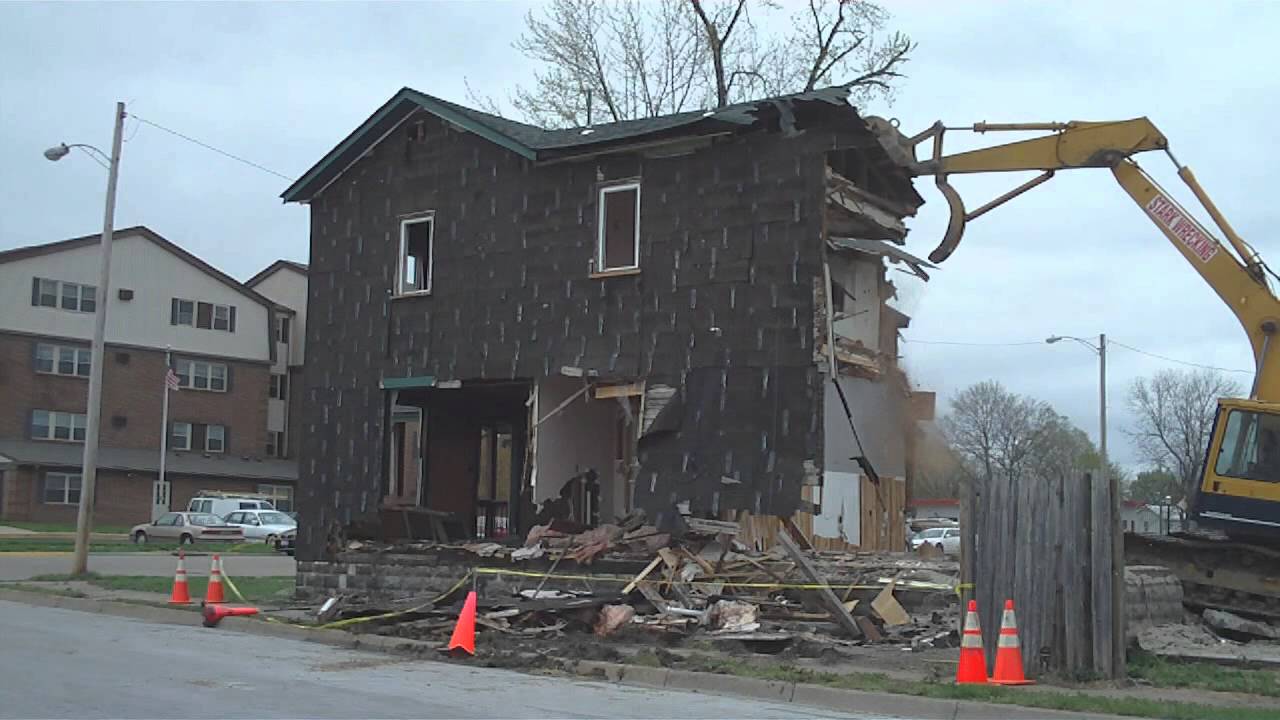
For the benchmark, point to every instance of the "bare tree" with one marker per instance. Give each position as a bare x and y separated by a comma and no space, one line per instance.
1175,410
631,58
997,431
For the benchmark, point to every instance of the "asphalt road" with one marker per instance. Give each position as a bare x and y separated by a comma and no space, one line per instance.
62,663
21,566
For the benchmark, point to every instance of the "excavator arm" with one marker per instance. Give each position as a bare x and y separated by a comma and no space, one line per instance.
1238,275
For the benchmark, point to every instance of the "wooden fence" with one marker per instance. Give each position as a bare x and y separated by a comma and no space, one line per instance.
1045,544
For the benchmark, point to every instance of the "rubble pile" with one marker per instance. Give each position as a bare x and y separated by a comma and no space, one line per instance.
704,584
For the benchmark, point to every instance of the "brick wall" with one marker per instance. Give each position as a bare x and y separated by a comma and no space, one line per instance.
131,397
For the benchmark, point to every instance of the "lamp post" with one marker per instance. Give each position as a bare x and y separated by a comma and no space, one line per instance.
89,466
1113,485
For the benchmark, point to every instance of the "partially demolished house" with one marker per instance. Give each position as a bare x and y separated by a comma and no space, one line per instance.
510,324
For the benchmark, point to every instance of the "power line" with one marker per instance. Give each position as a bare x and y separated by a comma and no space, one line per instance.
1179,362
207,146
971,344
1110,341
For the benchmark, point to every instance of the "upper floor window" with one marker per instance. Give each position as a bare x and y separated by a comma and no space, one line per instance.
203,315
282,329
51,425
66,295
618,246
200,375
63,360
180,436
279,389
414,272
275,443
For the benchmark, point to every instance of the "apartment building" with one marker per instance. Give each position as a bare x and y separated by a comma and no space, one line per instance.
224,340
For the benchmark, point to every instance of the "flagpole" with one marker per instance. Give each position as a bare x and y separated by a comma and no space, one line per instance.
164,418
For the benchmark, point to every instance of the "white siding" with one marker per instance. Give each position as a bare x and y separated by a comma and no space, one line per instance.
861,279
155,276
288,287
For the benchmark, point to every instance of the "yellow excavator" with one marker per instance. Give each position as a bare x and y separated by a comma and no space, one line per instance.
1239,491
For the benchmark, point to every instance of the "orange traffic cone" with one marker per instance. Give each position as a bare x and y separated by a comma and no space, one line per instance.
464,633
1009,652
213,614
972,669
214,593
181,594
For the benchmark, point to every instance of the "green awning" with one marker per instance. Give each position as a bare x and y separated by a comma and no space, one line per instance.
408,383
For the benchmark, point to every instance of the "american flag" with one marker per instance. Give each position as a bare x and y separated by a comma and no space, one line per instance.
171,380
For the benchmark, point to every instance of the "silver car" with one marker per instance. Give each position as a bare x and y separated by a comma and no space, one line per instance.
186,528
265,525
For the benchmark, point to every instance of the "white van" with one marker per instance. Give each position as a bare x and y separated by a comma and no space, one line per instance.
223,504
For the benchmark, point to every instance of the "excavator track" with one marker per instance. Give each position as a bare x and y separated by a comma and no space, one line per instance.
1215,572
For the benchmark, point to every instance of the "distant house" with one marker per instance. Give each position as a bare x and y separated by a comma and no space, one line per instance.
934,508
634,315
1143,518
162,298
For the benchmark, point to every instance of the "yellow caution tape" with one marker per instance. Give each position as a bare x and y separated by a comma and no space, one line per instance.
352,621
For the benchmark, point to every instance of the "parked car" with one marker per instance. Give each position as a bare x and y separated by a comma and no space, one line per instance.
186,528
221,504
946,539
285,542
262,524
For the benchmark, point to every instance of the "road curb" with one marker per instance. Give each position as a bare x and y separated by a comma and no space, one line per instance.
622,674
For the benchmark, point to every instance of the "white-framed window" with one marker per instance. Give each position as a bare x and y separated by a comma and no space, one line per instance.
413,274
275,444
61,488
281,496
62,294
180,436
201,375
282,329
279,387
63,360
618,241
53,425
215,438
203,315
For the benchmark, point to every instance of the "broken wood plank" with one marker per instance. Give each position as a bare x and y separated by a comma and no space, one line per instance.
604,392
790,526
712,527
869,629
643,574
888,607
651,594
838,613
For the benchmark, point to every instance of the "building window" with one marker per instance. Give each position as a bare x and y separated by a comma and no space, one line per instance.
182,312
62,488
50,425
279,389
199,375
282,329
63,360
203,315
618,246
275,444
66,295
281,496
215,438
415,255
180,437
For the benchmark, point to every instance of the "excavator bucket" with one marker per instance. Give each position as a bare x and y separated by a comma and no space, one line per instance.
902,150
955,225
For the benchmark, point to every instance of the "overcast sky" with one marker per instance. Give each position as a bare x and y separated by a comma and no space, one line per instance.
282,83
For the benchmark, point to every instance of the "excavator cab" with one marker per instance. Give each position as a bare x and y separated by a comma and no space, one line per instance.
1240,488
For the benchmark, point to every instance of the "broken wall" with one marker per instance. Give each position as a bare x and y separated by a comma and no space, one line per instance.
578,438
721,309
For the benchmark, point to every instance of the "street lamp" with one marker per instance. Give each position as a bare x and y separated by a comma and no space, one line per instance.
89,466
1113,484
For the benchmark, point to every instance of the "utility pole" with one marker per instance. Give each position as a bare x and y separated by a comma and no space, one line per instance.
1117,525
89,469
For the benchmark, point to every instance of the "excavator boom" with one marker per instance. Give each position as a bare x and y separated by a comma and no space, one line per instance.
1240,484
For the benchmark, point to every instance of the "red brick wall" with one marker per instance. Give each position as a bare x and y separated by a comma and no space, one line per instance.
133,390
